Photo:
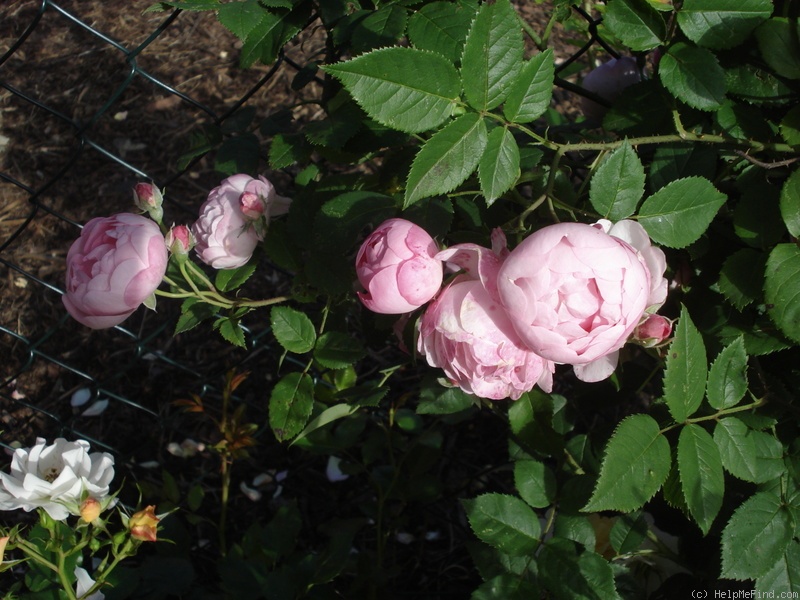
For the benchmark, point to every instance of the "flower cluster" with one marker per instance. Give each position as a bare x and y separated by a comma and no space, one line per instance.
118,262
570,293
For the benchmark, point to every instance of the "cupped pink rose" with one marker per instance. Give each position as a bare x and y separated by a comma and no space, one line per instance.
112,268
397,268
226,236
607,81
466,333
575,294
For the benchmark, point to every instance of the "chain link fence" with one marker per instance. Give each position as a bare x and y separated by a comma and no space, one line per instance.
92,100
84,115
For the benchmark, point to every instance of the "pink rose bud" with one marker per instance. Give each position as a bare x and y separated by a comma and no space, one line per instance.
253,207
466,332
149,199
652,331
575,294
226,237
607,81
396,266
114,266
180,240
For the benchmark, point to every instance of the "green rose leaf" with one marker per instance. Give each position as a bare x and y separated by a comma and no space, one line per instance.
498,168
628,532
440,27
722,23
618,184
790,203
700,469
337,350
382,27
748,454
532,90
232,279
782,289
636,463
727,378
265,39
680,212
742,277
693,75
671,162
404,88
505,522
590,575
434,401
790,127
293,329
777,40
506,586
240,18
194,312
785,575
637,24
290,405
756,537
447,159
231,331
492,55
535,482
686,370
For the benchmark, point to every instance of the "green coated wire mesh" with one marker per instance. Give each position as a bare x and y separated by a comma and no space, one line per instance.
85,114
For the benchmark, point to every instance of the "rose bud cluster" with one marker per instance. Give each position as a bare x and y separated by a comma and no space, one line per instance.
570,293
233,220
118,262
607,81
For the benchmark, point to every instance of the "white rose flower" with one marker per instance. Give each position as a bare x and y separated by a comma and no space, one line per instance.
57,478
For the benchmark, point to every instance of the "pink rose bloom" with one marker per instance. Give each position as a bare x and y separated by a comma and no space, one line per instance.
575,294
466,332
226,236
607,81
114,266
396,266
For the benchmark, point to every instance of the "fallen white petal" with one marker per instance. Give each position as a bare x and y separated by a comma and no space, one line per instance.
80,397
333,472
404,537
251,494
96,409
